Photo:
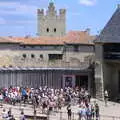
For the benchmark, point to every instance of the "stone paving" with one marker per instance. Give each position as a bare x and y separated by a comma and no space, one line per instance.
111,112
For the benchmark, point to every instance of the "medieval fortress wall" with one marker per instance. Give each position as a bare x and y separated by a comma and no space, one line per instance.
51,23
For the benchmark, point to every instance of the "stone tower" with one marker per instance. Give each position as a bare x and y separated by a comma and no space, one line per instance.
51,23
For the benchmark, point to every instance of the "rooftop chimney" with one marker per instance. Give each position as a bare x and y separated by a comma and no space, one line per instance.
87,30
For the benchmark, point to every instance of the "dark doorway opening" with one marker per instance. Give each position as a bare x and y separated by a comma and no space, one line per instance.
81,81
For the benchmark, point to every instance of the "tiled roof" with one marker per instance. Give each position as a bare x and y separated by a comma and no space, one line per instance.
73,37
39,40
111,32
6,40
79,37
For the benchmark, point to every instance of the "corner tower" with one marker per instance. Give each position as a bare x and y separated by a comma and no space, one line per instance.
51,23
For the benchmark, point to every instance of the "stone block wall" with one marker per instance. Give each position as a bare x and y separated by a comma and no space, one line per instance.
51,23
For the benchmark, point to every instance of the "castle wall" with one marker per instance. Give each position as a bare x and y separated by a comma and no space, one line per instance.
112,78
82,53
51,23
38,56
99,79
107,72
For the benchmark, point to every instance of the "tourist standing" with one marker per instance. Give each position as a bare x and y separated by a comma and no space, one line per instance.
83,113
69,112
93,111
79,112
88,112
97,111
106,97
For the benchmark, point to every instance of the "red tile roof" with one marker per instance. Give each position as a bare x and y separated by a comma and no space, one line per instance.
73,37
79,37
6,40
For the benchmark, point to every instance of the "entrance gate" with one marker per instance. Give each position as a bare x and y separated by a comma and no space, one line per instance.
82,81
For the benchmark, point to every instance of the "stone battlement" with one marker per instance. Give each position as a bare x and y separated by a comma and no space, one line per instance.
43,13
51,23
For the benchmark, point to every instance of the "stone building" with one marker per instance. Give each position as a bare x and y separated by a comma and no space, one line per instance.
28,61
107,56
54,58
51,23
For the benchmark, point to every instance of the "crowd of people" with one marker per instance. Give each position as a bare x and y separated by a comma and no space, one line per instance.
7,115
87,110
49,99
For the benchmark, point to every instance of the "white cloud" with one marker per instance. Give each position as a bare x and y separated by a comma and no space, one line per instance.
22,22
8,4
16,8
88,2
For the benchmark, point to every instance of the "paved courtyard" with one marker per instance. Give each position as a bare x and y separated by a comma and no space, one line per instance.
111,112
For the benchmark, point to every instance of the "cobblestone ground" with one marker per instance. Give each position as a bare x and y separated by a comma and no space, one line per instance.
111,112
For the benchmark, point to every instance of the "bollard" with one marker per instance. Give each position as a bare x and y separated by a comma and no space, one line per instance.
1,103
34,114
10,108
22,110
73,116
20,105
99,117
60,115
48,117
113,118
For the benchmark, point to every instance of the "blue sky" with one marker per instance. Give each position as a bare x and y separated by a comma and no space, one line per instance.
19,18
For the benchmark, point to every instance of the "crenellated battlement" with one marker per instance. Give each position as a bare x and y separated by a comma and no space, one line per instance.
62,11
50,23
40,11
51,10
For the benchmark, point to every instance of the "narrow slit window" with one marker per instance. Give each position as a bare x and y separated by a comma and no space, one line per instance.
54,29
41,56
32,56
47,29
24,55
